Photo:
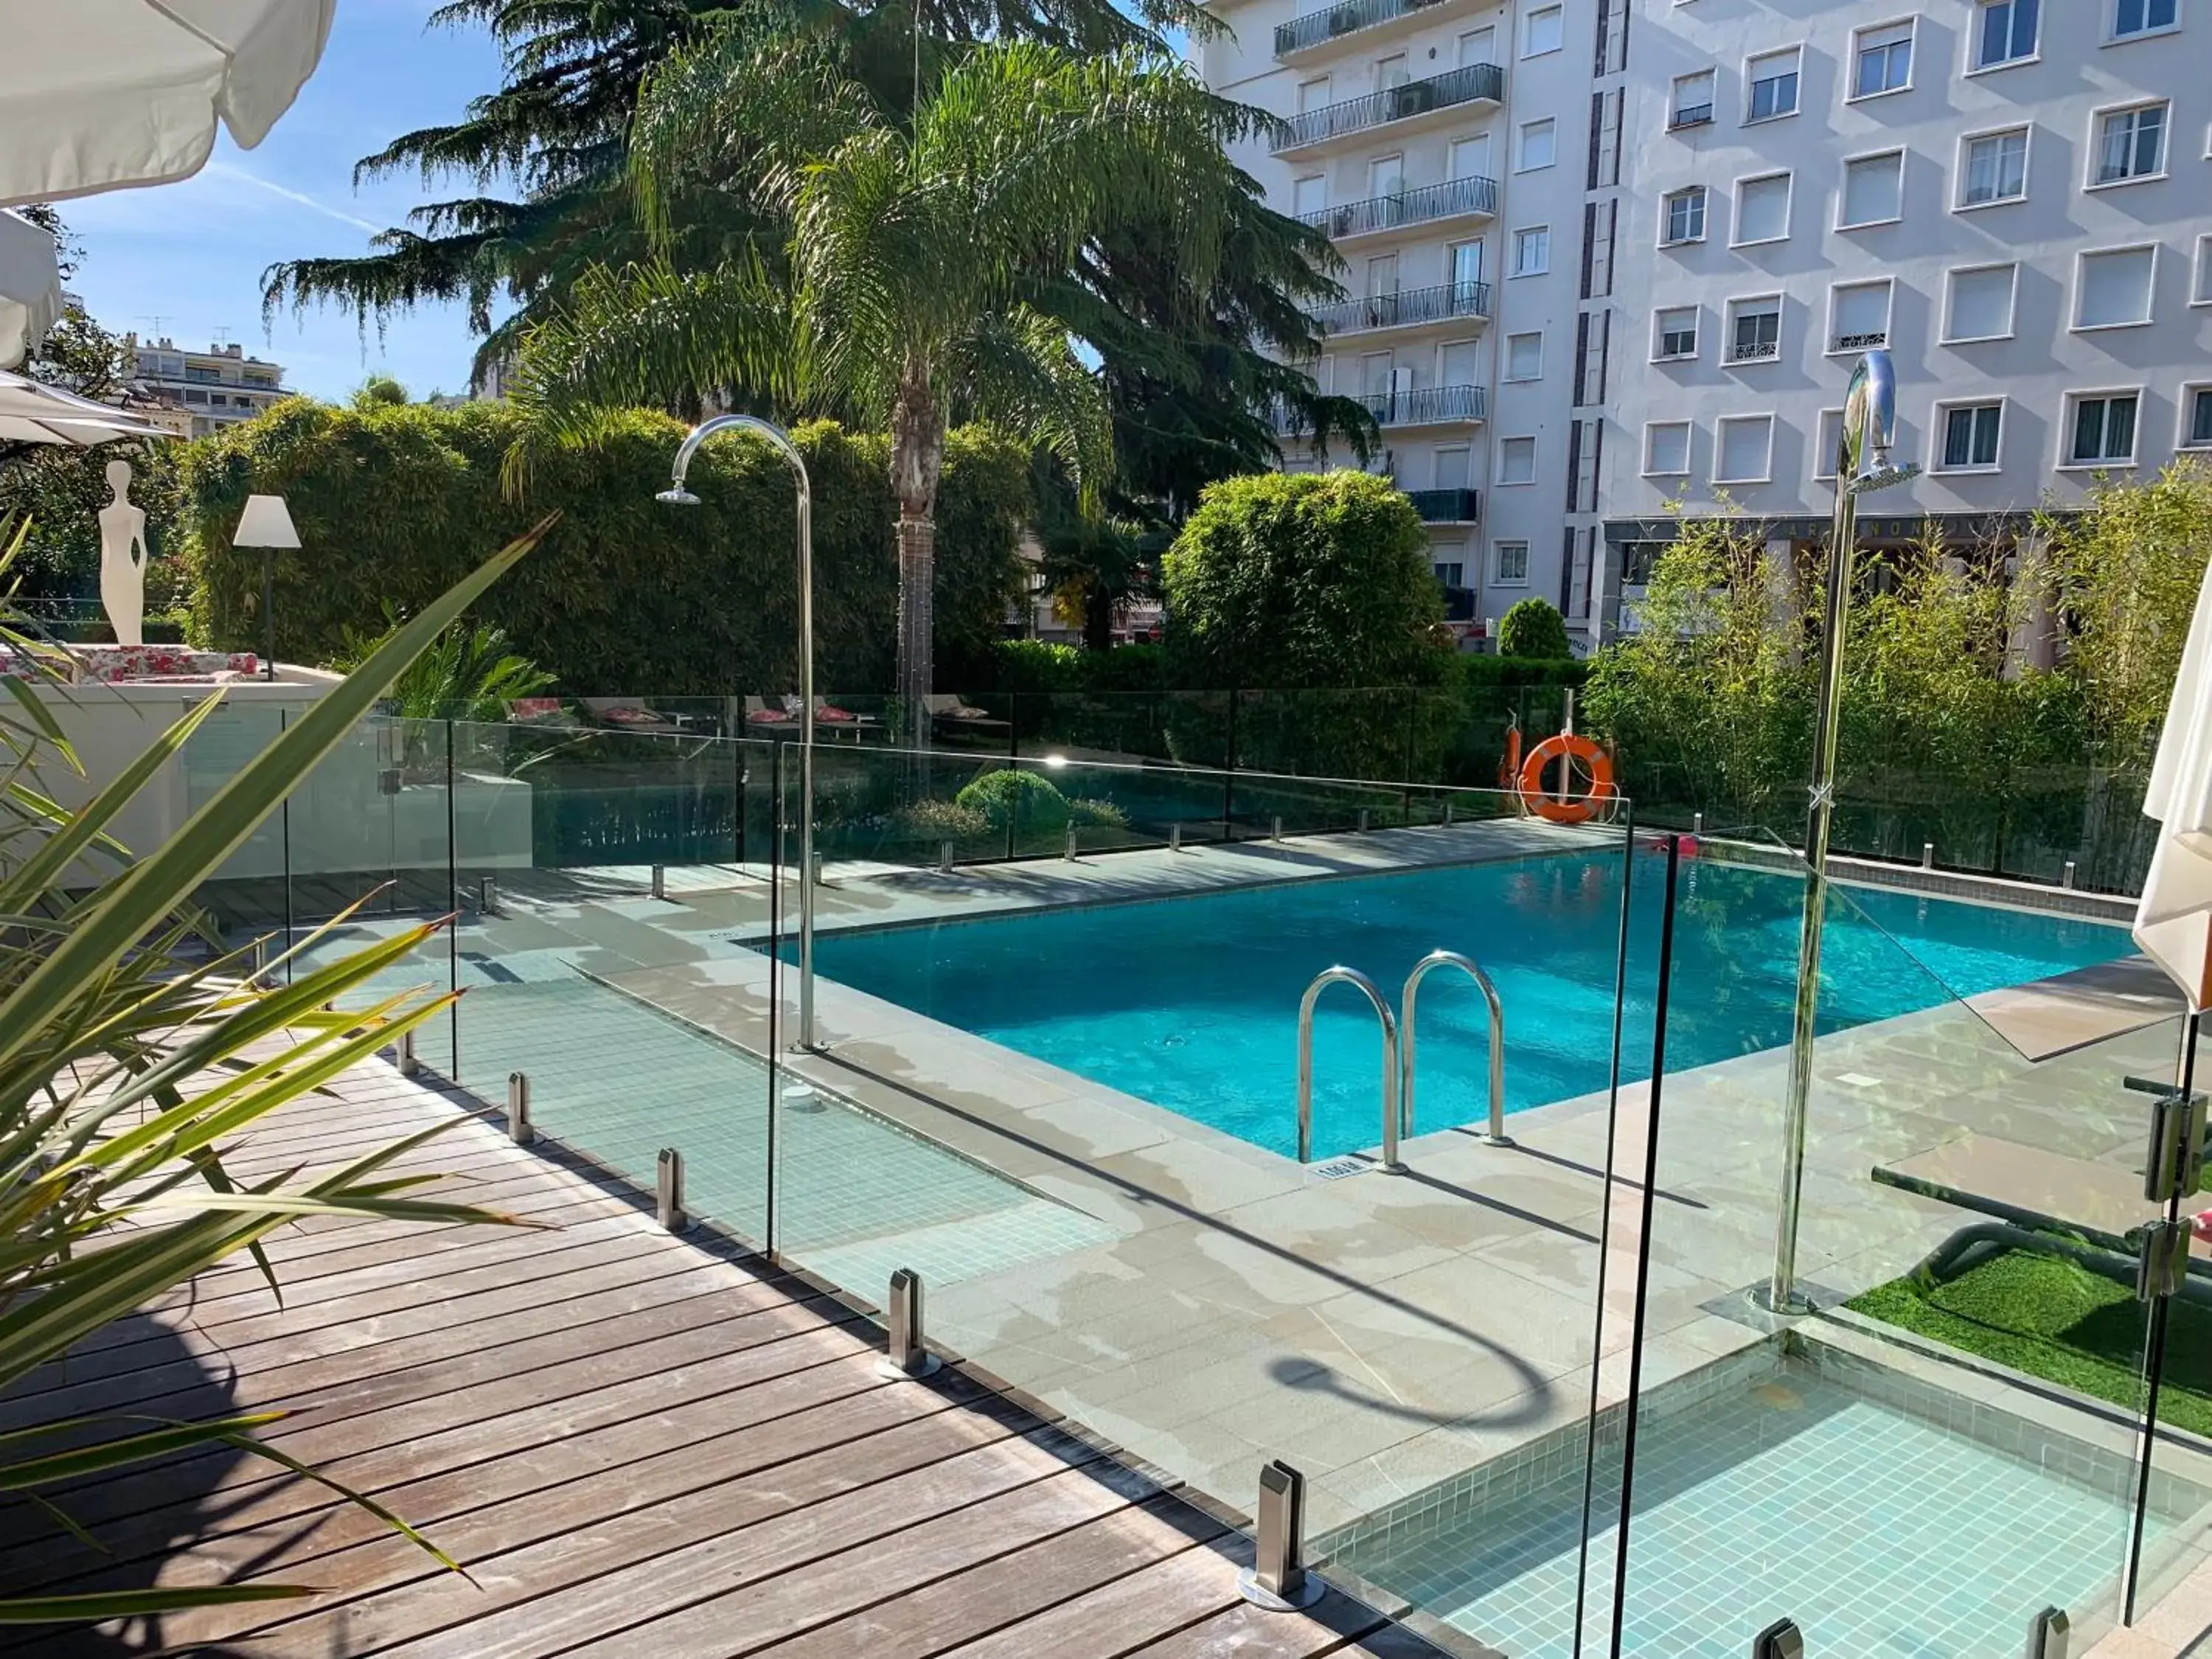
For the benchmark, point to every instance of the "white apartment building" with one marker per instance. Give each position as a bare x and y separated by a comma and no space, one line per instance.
1734,199
203,390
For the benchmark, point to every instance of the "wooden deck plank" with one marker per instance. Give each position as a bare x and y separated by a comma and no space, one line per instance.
1244,1632
1152,1602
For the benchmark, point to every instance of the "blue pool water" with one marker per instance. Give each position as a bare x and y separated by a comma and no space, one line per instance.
1192,1003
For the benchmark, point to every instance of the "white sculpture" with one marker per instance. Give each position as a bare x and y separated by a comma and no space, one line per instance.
123,559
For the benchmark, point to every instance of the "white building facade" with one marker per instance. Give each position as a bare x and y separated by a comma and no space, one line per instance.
201,391
1717,204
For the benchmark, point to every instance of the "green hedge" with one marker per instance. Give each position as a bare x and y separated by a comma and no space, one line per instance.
626,596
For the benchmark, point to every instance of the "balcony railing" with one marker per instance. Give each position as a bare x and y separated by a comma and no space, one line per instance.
1447,506
1460,86
1405,306
1691,115
1426,406
1753,351
1865,342
1448,200
1313,27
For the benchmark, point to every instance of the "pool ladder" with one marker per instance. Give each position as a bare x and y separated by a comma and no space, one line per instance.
1399,1051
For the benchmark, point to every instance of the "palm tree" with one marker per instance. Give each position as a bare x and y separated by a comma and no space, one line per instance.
913,247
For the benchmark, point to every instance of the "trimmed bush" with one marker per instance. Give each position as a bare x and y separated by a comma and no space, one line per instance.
626,596
1027,800
1533,627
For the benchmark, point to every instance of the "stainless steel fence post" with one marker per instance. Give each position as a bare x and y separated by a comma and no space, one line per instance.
487,896
1277,1579
1696,823
409,1065
1070,853
518,1109
1175,837
2066,879
1277,834
1780,1640
944,858
660,881
2048,1633
670,1194
1362,820
1928,855
905,1351
1448,815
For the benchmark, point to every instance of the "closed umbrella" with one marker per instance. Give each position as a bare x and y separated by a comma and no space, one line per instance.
30,287
31,413
2174,919
99,94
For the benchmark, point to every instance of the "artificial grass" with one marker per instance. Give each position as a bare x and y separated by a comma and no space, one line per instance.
2051,1318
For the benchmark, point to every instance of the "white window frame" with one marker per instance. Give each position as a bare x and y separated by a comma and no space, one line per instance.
1688,429
1528,48
1711,74
1729,313
1544,270
2182,442
1503,483
1498,576
1910,25
1959,202
2114,38
1720,446
1888,314
2080,269
2094,149
1520,161
1973,42
1507,375
1823,453
2200,277
1937,433
2012,306
2073,401
1697,332
1843,188
1736,237
1667,213
1797,53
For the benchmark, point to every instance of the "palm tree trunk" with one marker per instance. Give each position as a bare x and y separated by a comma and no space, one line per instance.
917,466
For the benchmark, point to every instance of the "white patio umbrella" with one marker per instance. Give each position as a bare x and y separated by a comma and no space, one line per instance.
2174,920
30,287
99,94
31,413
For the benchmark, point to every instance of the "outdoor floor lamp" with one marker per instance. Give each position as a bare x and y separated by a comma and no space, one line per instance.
677,495
266,523
1862,465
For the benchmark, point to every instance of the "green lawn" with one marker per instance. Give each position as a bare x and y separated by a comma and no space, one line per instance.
2045,1315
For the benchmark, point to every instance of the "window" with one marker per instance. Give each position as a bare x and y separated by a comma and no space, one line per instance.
1313,95
1309,195
1995,168
1755,330
1874,190
1746,449
1773,86
1980,303
2103,429
1478,46
1532,250
2006,33
1543,30
1882,60
1666,449
1452,467
1510,564
2134,17
2112,288
1538,144
2196,417
2131,144
1676,334
1693,100
1386,175
1516,460
1451,574
1828,443
1464,261
1391,71
1684,217
1970,437
1858,316
2200,293
1762,209
1524,357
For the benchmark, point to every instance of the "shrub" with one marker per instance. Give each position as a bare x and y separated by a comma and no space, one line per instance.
627,595
1533,627
1027,800
945,820
1104,814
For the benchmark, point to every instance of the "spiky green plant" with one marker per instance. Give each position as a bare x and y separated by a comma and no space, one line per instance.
128,1065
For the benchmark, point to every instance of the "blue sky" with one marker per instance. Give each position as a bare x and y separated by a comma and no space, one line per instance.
192,253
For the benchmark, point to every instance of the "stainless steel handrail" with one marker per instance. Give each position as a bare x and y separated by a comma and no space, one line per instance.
1373,993
1467,964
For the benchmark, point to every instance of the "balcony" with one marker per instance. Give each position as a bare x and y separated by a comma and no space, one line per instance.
1447,506
1865,342
1754,351
1456,199
1316,28
1403,309
1434,405
1474,84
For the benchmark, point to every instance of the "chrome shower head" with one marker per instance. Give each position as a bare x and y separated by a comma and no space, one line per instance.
677,496
1884,474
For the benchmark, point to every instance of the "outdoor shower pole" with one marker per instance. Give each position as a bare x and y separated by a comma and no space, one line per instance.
677,495
1869,425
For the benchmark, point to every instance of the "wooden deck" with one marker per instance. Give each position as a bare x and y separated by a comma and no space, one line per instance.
634,1444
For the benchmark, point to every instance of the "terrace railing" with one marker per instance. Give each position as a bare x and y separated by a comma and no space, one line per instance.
1466,85
1420,406
1403,308
1452,199
1447,506
1331,23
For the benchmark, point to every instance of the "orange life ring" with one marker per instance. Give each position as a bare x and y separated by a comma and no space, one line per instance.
1570,808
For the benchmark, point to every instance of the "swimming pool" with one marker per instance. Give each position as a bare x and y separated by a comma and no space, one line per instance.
1192,1003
